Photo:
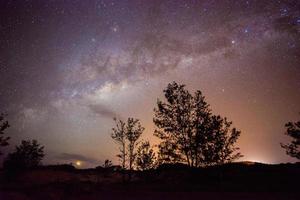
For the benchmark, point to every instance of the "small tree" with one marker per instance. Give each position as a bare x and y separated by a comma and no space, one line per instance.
3,126
134,130
28,154
119,136
145,156
126,134
107,163
293,130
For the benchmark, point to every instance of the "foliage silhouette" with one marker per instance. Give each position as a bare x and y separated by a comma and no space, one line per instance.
107,163
134,130
293,130
190,133
3,126
27,155
145,159
118,135
126,134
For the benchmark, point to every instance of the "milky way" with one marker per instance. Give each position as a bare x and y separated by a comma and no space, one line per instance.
68,67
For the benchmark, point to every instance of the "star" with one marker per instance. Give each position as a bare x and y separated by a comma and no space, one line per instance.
115,28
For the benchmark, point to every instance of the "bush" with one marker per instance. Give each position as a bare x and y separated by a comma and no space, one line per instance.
27,155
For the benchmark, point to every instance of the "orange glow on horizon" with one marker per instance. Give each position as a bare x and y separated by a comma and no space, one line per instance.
78,163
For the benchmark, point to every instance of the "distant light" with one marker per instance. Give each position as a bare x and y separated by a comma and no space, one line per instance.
258,160
78,163
232,41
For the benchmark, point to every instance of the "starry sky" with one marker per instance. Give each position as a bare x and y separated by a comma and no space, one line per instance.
67,67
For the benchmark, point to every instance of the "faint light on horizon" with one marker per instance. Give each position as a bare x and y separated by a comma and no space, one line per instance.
78,163
259,160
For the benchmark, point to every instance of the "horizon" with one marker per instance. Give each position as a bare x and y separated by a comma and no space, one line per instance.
68,68
245,162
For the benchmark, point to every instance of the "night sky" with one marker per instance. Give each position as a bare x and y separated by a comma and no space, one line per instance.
68,67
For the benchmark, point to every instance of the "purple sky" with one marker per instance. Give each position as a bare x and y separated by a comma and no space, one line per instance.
68,67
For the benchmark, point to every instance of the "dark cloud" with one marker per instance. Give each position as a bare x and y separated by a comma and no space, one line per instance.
103,111
288,24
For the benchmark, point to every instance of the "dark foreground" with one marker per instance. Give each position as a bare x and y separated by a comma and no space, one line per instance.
160,195
231,181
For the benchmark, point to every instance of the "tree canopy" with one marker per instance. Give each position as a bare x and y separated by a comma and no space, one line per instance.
293,130
28,154
145,159
189,132
118,135
3,126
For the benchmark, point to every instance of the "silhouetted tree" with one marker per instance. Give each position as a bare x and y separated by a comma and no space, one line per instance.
126,134
217,142
190,132
174,123
28,154
293,130
118,135
134,130
3,126
107,163
145,159
167,153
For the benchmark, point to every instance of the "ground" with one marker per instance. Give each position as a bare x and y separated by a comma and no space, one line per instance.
232,181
